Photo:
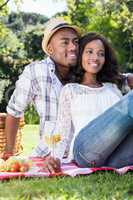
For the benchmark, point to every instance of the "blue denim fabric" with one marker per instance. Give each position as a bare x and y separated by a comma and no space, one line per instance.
123,154
108,139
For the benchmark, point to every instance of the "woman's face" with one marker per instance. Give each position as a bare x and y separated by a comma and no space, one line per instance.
93,57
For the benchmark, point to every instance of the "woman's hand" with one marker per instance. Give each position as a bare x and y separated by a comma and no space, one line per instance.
52,164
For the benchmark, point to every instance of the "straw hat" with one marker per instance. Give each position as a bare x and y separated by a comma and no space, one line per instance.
52,26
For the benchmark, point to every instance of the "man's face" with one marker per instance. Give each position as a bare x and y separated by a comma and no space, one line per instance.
63,47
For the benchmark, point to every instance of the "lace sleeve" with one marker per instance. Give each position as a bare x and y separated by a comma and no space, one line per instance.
117,90
64,121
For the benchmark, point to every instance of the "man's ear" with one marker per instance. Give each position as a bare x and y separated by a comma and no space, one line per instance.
49,49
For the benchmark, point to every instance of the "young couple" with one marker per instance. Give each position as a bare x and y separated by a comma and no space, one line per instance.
89,132
94,120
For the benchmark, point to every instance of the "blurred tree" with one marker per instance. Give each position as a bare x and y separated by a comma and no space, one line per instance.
32,40
18,22
4,11
12,60
19,45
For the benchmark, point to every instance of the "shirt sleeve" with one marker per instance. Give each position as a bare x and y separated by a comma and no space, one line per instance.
64,125
22,95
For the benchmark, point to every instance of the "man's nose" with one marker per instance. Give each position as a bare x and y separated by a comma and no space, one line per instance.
73,46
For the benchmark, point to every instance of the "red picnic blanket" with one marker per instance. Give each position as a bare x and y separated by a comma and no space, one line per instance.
69,169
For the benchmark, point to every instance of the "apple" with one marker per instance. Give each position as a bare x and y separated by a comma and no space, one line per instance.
24,167
15,165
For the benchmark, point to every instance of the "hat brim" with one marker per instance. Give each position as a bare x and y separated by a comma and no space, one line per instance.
46,41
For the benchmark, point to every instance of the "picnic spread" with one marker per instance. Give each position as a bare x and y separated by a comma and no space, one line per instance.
29,167
33,167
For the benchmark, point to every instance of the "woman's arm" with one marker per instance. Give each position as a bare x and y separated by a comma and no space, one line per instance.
64,121
64,128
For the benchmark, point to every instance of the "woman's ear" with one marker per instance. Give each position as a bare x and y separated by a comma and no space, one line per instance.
49,49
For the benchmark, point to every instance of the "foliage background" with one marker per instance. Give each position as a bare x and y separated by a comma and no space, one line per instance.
21,34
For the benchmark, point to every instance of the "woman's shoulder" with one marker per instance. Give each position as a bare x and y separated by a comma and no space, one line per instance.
70,88
71,85
113,87
108,84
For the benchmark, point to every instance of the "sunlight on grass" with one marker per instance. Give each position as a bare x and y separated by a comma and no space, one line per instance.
30,138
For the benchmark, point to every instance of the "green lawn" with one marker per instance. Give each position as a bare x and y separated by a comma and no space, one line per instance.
30,138
98,186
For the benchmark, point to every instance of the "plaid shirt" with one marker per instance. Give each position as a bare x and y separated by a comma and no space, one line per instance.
37,84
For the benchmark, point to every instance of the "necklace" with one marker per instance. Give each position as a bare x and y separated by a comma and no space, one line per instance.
94,85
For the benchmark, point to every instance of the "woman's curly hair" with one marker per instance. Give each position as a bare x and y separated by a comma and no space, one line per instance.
110,70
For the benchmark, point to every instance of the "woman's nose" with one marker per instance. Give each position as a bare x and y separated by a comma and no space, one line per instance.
95,56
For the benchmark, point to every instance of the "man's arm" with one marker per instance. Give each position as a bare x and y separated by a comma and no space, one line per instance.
20,98
11,129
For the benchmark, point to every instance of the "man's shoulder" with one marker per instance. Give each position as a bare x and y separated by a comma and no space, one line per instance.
38,64
37,68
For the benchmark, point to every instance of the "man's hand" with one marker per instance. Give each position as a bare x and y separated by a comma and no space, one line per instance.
130,80
5,155
51,164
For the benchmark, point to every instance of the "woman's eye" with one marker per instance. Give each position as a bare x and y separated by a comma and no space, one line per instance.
89,51
101,54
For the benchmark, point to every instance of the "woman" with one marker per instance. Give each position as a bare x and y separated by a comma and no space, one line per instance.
89,116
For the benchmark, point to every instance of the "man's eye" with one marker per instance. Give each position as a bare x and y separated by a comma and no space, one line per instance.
65,42
76,41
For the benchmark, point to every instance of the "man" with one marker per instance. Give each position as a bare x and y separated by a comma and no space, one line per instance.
42,81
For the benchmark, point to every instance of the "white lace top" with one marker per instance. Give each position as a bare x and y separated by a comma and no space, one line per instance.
78,105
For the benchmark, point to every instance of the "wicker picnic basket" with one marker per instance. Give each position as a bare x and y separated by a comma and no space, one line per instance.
18,146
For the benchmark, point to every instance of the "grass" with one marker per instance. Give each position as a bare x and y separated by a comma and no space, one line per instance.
98,186
30,138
